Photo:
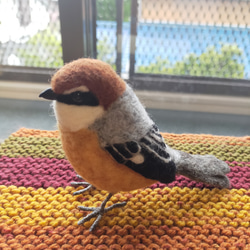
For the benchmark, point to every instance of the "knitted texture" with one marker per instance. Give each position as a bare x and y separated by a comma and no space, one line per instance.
38,209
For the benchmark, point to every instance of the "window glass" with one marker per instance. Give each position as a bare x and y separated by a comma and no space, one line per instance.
30,33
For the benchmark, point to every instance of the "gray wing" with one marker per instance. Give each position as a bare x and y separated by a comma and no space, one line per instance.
149,156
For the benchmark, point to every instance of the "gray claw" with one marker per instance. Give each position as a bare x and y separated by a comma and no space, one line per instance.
83,190
81,183
98,211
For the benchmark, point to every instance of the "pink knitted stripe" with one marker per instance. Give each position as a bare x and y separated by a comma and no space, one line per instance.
44,172
239,178
36,172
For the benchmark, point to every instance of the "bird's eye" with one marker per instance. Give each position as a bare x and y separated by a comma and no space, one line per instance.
77,97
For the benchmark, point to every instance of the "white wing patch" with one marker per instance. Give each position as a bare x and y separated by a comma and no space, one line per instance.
137,159
149,156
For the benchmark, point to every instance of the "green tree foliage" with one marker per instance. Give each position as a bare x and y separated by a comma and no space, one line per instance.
106,52
42,50
106,10
223,62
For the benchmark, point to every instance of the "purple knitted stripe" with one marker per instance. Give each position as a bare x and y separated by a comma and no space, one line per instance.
36,172
45,172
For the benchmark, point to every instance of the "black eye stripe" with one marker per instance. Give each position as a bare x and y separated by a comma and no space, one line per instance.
79,98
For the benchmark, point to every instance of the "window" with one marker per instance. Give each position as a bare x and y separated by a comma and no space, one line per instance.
187,54
181,46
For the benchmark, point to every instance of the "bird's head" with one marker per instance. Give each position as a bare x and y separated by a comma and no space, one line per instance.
82,91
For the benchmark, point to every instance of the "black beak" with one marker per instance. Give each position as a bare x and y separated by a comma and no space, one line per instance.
48,94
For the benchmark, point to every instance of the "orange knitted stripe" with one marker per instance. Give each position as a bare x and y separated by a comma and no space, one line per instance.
24,132
127,237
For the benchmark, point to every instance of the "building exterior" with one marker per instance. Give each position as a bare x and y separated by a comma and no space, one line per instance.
203,12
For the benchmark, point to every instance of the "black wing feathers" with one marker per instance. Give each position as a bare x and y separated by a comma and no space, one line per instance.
147,157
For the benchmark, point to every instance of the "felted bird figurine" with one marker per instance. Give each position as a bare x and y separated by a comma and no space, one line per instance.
110,140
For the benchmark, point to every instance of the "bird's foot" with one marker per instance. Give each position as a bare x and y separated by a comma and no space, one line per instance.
98,212
81,183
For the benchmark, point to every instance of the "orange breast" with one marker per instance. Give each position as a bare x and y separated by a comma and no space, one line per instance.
97,166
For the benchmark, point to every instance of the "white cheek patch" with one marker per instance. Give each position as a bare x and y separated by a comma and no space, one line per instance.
73,118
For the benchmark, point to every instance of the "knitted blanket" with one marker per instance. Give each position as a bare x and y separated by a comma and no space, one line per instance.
38,210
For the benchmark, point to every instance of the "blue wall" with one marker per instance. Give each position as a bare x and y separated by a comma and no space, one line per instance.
174,41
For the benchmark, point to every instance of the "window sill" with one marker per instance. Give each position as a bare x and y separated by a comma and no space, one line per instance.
150,99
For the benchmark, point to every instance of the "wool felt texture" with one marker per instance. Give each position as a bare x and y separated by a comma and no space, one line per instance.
126,120
147,157
123,120
38,209
97,165
204,168
73,120
87,71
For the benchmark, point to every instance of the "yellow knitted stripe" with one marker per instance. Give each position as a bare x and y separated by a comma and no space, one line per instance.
170,138
182,207
50,147
223,152
24,132
32,146
206,139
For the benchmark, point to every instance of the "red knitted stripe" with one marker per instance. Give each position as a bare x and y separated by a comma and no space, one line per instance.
38,172
44,172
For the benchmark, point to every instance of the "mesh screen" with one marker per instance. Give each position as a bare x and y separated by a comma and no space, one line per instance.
174,37
194,37
30,33
106,31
